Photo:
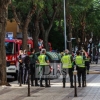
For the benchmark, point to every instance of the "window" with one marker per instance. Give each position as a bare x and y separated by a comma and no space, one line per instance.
9,46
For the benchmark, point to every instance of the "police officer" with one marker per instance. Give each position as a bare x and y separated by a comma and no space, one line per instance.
80,68
33,61
67,61
43,62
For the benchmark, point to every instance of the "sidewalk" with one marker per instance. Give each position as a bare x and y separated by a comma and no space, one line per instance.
55,92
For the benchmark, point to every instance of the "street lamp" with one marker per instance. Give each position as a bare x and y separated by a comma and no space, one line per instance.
65,36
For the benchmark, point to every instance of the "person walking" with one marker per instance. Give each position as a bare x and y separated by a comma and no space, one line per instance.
67,67
96,58
80,64
43,64
33,61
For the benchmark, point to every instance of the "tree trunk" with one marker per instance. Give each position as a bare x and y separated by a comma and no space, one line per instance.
70,34
35,42
24,25
46,41
45,32
24,39
83,33
35,35
3,20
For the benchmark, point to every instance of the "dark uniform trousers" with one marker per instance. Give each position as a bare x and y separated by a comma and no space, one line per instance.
33,74
44,76
81,72
70,72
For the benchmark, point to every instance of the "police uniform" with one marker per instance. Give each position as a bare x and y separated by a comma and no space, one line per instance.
84,58
43,64
67,68
33,59
81,69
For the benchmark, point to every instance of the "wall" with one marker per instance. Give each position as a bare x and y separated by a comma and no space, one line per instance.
12,27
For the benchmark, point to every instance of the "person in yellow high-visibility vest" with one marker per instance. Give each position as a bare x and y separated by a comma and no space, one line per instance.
43,63
67,67
80,63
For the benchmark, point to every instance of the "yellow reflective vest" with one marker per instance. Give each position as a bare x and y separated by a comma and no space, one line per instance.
42,60
66,61
79,61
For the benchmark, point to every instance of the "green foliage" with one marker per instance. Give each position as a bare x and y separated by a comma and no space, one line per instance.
93,16
56,37
90,9
24,6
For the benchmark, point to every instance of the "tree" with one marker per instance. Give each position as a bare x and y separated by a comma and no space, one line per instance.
78,19
3,19
23,12
47,20
34,27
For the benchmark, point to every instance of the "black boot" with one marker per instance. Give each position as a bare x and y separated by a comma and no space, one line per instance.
79,84
32,84
83,84
46,83
41,85
64,82
36,82
71,85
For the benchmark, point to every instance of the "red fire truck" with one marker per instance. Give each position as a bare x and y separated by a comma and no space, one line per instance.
12,48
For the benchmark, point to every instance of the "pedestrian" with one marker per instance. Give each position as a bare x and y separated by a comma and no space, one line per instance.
67,66
96,58
33,61
44,64
87,63
26,60
20,71
80,64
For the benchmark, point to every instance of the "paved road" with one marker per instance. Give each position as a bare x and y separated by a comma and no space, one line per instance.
55,92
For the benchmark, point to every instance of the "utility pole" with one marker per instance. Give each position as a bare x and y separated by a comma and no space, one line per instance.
65,36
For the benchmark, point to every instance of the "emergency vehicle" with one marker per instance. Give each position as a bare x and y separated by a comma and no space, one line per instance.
12,47
12,50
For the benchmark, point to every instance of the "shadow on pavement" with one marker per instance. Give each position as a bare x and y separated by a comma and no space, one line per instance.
10,79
